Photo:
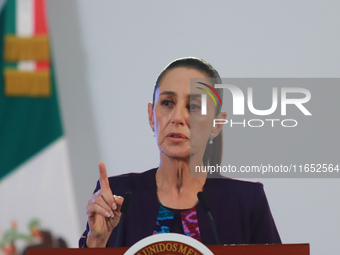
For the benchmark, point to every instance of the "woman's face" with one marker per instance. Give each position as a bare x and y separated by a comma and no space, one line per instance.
171,113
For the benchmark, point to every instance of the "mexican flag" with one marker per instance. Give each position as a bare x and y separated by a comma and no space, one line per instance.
35,176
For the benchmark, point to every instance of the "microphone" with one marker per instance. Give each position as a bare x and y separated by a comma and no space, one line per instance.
123,209
202,199
126,202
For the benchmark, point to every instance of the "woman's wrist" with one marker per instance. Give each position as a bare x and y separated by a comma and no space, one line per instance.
96,242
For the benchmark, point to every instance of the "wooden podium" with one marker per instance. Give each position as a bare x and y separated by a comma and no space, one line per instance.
255,249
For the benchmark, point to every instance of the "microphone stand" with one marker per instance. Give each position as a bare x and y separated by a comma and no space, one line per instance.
123,209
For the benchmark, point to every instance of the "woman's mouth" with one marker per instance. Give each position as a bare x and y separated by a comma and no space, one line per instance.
177,137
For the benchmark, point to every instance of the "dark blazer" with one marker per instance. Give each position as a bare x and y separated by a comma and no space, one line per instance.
240,210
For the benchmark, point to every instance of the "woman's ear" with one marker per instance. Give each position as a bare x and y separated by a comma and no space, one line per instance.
150,114
218,127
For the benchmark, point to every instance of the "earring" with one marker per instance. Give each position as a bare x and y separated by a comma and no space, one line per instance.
211,137
153,132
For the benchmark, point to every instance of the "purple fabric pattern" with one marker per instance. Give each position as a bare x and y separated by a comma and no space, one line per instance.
190,224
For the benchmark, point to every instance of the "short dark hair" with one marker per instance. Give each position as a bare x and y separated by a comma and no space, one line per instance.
213,153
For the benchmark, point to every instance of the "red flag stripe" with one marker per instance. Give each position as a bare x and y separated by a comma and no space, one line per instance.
42,65
40,27
40,17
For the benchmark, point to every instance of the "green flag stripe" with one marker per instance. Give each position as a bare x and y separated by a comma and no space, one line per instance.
10,23
13,65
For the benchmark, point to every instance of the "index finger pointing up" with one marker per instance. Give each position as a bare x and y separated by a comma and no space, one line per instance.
104,181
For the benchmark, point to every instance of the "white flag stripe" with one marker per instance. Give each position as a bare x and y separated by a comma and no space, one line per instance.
28,65
42,188
24,17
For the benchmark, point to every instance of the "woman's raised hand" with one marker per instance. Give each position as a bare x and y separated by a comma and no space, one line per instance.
103,212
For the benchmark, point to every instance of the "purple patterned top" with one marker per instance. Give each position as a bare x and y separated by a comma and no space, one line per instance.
240,209
177,221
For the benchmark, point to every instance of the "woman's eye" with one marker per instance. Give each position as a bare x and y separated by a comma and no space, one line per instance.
167,103
194,107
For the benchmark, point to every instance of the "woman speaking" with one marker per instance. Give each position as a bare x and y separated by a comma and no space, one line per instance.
164,199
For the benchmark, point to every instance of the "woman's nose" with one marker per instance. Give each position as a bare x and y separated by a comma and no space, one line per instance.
179,115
